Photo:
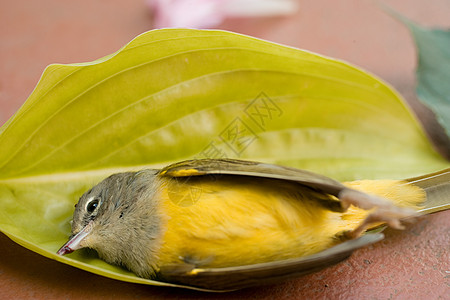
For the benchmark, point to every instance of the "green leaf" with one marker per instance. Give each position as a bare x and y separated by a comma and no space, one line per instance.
176,94
433,71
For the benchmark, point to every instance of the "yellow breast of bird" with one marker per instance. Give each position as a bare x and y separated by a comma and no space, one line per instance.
223,221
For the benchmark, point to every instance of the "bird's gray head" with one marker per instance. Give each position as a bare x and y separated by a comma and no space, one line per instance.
117,217
105,200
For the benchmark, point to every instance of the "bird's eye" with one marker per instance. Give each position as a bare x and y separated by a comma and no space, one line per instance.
92,205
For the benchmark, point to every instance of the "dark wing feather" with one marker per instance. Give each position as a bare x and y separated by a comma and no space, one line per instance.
250,168
233,278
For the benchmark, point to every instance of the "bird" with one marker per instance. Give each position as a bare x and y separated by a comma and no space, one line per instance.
224,224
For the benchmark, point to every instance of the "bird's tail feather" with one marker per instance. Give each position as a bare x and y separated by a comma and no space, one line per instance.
437,188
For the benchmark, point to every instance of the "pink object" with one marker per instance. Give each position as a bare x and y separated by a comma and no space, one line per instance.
187,13
211,13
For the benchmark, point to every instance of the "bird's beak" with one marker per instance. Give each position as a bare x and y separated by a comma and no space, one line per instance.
74,242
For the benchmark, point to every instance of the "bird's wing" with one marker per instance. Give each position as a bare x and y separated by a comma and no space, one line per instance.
233,278
250,168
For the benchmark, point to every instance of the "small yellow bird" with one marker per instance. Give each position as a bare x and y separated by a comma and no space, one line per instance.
225,224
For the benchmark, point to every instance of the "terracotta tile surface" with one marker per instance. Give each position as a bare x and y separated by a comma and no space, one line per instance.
412,264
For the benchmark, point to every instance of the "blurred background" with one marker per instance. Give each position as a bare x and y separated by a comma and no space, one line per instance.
34,34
